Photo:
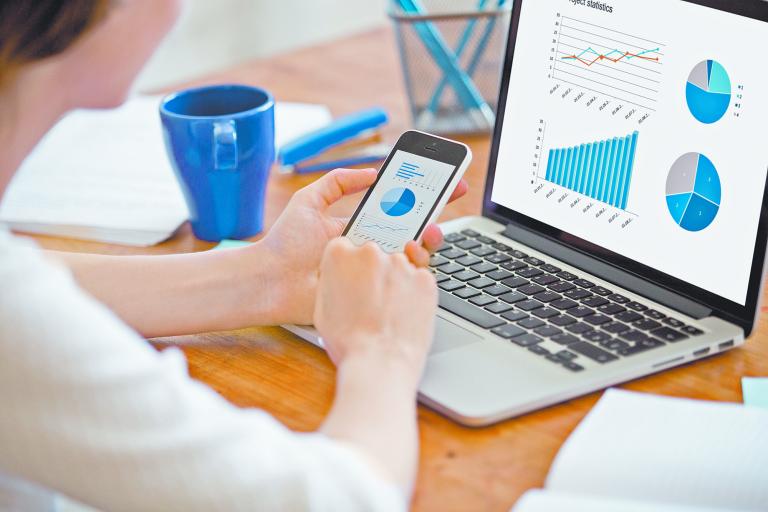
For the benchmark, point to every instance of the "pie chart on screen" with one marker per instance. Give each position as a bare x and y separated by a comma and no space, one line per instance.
694,192
708,91
398,201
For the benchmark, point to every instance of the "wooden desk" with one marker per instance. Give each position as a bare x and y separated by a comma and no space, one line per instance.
461,469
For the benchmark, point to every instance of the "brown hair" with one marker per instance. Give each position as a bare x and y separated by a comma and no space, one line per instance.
32,30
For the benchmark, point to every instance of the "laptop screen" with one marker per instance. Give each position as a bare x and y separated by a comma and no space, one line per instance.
640,127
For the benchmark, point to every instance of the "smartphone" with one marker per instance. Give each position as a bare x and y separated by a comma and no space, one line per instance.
411,190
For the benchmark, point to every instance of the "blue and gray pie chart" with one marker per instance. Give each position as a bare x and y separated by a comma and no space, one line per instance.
398,201
693,192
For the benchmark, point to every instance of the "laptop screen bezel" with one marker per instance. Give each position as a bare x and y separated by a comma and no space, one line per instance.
743,315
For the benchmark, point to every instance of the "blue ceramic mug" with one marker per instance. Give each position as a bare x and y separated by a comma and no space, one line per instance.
221,142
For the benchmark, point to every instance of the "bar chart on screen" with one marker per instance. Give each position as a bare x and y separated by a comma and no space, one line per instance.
600,170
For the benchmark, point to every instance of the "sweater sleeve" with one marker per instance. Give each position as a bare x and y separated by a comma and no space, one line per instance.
91,410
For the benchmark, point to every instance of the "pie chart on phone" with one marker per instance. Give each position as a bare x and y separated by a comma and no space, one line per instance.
398,201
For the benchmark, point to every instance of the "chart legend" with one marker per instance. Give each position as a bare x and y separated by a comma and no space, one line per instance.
601,170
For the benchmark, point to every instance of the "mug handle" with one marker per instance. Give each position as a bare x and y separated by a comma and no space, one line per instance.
225,145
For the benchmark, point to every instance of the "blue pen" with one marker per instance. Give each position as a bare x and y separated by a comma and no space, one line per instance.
465,89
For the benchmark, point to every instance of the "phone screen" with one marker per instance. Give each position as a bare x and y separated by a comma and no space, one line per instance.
400,204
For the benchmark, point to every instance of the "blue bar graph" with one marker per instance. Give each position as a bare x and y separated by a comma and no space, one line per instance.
601,170
408,171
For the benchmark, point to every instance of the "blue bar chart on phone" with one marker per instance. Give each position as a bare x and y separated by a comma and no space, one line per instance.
601,170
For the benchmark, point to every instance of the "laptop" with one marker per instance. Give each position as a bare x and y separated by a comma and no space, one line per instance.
624,228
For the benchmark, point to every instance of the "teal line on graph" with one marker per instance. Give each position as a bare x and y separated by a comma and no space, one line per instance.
395,229
622,55
601,170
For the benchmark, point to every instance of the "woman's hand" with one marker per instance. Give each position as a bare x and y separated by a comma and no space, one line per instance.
296,242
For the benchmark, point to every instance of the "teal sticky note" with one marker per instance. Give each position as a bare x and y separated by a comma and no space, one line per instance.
231,244
755,391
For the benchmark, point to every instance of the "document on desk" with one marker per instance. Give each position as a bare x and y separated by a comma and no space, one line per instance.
641,453
104,175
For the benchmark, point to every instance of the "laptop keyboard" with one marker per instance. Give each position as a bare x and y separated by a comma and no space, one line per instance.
528,301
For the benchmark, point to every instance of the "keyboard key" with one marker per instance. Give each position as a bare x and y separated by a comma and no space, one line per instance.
513,297
595,302
637,306
486,240
451,268
450,285
629,316
565,339
692,331
547,297
578,328
483,251
574,367
641,347
566,355
529,272
518,254
562,320
444,247
531,289
554,359
501,247
436,261
674,322
599,290
615,345
513,265
498,308
656,315
483,267
533,261
616,327
583,283
466,293
499,258
508,331
468,312
567,276
580,312
514,316
646,325
531,323
470,232
597,337
634,336
453,254
498,275
597,319
468,244
550,268
468,261
482,300
561,287
592,352
548,331
610,309
529,305
546,313
482,282
576,293
670,335
465,275
515,282
496,290
538,350
441,277
545,280
564,304
619,299
527,340
452,238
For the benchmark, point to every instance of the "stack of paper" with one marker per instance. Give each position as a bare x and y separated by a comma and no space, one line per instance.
105,176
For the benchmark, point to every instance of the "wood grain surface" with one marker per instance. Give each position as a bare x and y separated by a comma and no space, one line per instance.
461,468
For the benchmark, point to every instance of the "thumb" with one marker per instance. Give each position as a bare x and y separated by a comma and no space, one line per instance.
337,184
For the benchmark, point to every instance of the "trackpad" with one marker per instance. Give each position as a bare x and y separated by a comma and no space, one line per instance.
449,336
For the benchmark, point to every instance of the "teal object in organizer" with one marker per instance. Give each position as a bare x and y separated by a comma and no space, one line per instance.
708,91
601,170
398,201
694,192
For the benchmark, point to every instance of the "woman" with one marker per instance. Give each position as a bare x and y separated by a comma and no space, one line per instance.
89,409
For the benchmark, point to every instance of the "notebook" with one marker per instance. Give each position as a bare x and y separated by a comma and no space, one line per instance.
643,453
105,176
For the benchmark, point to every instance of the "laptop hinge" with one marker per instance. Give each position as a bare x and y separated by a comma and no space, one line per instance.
607,272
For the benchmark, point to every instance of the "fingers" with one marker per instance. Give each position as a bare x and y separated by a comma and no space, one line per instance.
417,254
337,184
432,238
459,191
